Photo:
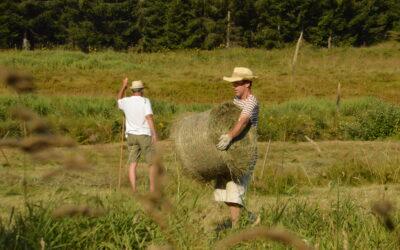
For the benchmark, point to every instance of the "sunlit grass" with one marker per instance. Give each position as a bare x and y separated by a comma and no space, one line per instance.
97,119
325,200
189,76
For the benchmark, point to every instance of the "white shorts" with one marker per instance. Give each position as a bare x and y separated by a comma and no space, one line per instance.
230,191
233,191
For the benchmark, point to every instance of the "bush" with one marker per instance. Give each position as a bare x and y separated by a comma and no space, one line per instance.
360,119
369,119
293,120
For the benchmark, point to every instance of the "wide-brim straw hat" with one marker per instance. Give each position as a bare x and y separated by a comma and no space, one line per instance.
240,74
137,85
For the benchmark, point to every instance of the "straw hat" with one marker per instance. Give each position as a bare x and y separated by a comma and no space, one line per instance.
240,74
137,85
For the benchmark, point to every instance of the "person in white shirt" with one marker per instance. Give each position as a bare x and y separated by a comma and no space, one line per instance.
140,131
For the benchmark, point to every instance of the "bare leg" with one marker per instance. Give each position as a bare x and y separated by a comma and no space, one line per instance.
152,177
235,212
132,175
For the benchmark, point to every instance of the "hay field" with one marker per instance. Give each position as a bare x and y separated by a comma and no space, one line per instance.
325,198
331,193
196,76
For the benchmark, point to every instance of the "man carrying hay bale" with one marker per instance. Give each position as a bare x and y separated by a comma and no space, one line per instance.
139,129
231,190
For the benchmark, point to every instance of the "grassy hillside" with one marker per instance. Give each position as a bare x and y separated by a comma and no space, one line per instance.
325,198
196,76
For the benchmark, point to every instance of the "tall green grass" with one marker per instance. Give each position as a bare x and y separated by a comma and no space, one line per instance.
98,120
125,227
121,228
357,119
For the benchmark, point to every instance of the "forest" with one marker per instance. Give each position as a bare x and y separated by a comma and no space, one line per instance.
157,25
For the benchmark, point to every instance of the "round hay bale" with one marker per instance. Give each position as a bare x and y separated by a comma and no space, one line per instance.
196,136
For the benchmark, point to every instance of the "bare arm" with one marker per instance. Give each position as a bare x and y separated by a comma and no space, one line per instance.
124,86
239,126
150,121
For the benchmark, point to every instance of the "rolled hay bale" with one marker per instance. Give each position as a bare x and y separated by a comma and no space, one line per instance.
196,136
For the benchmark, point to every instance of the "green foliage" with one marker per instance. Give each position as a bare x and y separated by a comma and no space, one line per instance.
94,120
360,119
128,228
369,119
154,25
151,22
121,228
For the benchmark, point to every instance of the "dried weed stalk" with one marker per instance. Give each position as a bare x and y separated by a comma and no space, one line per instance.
156,205
35,144
72,210
317,148
155,247
278,235
34,123
41,138
295,55
42,244
345,240
2,151
20,82
75,163
383,210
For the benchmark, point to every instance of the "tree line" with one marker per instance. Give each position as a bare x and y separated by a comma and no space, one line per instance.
152,25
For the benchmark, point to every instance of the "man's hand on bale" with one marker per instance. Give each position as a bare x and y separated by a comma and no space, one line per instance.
224,142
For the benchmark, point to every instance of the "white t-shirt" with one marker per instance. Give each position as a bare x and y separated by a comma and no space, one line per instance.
136,108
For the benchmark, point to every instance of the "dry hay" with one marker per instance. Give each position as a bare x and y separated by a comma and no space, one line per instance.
34,144
69,163
81,210
273,234
34,123
383,209
19,81
196,136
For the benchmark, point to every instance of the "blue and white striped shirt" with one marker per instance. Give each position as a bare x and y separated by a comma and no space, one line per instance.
249,108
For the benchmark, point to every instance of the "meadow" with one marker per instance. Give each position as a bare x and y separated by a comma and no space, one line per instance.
335,191
91,120
325,198
195,76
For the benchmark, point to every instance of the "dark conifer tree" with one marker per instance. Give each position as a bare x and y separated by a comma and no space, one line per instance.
11,25
151,24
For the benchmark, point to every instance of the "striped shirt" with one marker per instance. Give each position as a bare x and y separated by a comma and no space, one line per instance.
249,108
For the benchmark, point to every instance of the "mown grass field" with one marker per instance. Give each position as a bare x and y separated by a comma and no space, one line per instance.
325,198
196,76
322,191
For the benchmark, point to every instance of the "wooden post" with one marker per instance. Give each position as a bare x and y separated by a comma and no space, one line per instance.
330,42
25,43
296,52
338,97
2,151
121,152
228,31
337,114
265,159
